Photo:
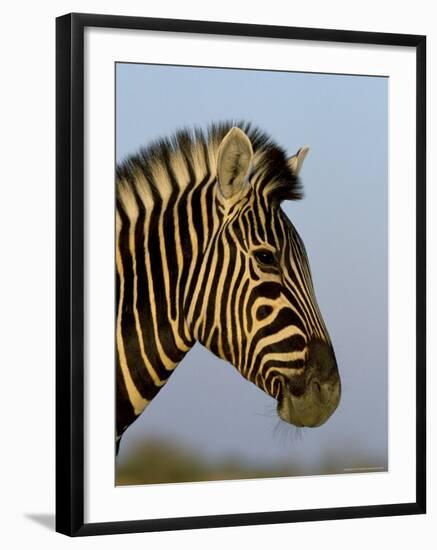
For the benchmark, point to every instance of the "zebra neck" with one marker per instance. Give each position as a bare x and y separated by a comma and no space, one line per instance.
163,228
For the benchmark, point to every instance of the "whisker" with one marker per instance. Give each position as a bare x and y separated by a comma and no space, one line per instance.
287,434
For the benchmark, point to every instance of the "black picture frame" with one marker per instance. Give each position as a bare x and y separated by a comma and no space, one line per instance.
70,273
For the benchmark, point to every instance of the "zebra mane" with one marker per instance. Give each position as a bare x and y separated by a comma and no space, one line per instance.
198,149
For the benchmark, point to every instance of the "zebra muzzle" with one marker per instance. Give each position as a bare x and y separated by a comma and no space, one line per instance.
310,398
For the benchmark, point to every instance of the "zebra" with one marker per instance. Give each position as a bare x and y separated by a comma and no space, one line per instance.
204,253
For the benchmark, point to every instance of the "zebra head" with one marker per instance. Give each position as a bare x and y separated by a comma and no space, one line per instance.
259,309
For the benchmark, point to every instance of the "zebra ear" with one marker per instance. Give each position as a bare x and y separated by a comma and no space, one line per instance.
295,162
233,162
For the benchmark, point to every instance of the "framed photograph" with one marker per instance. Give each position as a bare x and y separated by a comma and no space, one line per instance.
240,274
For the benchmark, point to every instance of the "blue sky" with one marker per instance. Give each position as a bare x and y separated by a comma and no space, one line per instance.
343,221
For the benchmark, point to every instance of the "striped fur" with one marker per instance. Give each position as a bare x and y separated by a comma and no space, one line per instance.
188,268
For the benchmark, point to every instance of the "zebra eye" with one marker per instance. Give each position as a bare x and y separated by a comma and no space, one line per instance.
265,257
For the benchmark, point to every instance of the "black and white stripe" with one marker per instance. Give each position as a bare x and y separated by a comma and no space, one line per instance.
205,253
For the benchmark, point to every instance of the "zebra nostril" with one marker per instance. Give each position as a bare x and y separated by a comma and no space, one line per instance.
317,390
